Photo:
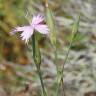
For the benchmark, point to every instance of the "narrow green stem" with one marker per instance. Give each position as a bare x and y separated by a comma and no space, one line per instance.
41,80
56,58
61,73
37,60
74,31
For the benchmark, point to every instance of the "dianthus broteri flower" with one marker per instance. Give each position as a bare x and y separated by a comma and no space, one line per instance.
36,25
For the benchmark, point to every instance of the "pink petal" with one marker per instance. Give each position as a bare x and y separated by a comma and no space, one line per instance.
42,28
27,33
37,19
17,29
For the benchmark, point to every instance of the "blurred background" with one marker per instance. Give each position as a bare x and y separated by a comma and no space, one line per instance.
17,70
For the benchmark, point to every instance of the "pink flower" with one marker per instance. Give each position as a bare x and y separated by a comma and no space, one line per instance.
27,31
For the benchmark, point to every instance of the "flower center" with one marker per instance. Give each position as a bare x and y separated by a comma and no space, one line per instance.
33,25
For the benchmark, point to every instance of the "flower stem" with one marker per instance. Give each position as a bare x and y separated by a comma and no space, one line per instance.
74,31
41,80
37,60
